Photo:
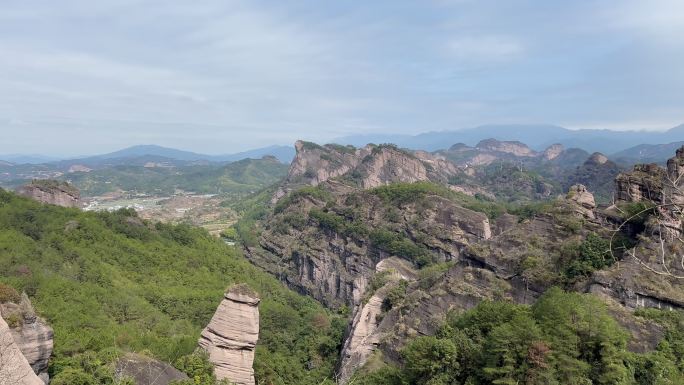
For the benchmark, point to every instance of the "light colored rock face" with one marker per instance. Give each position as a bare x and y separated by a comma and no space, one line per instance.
583,199
33,338
598,158
365,334
14,368
370,166
231,336
514,148
553,151
52,192
363,338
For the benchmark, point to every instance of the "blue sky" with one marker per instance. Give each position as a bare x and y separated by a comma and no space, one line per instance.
218,76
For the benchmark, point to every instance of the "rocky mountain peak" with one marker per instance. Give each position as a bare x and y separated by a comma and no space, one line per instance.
509,147
367,167
597,158
553,151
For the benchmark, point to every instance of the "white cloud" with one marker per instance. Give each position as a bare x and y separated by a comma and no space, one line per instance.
485,48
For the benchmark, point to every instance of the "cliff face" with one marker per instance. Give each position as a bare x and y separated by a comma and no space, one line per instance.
320,258
650,274
366,167
30,335
232,334
643,183
52,192
335,241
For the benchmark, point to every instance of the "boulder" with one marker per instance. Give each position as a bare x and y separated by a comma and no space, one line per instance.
147,371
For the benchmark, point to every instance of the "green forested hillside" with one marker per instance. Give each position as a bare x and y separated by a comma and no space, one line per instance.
242,176
110,283
564,338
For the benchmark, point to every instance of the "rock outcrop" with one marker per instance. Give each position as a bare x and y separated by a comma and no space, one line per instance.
232,334
335,267
507,147
31,335
52,192
147,371
367,167
553,151
364,335
643,183
332,242
584,200
14,368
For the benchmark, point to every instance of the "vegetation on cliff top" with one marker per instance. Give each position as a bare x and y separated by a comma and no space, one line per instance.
564,338
111,282
243,176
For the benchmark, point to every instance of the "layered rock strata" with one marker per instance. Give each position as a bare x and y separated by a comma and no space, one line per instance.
232,334
14,368
32,335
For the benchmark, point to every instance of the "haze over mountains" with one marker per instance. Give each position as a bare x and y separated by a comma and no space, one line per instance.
626,145
537,137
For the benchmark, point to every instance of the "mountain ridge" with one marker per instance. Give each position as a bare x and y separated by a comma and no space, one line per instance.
537,136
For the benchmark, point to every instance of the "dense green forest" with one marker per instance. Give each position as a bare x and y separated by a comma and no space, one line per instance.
564,338
243,176
110,283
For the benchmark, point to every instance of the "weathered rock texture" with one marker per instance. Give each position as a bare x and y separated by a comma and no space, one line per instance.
52,192
14,368
31,335
332,241
147,371
232,334
364,335
643,183
368,167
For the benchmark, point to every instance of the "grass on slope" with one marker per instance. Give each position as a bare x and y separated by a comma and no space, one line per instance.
110,281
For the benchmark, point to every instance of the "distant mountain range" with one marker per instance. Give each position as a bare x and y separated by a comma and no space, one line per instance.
641,146
154,153
537,137
647,153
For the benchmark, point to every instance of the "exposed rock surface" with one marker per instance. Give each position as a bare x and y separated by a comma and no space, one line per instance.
335,268
553,151
597,173
643,183
14,368
508,147
584,199
32,336
232,334
147,371
368,167
51,192
364,335
329,244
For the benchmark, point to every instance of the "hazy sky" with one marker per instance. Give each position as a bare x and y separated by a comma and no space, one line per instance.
217,76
